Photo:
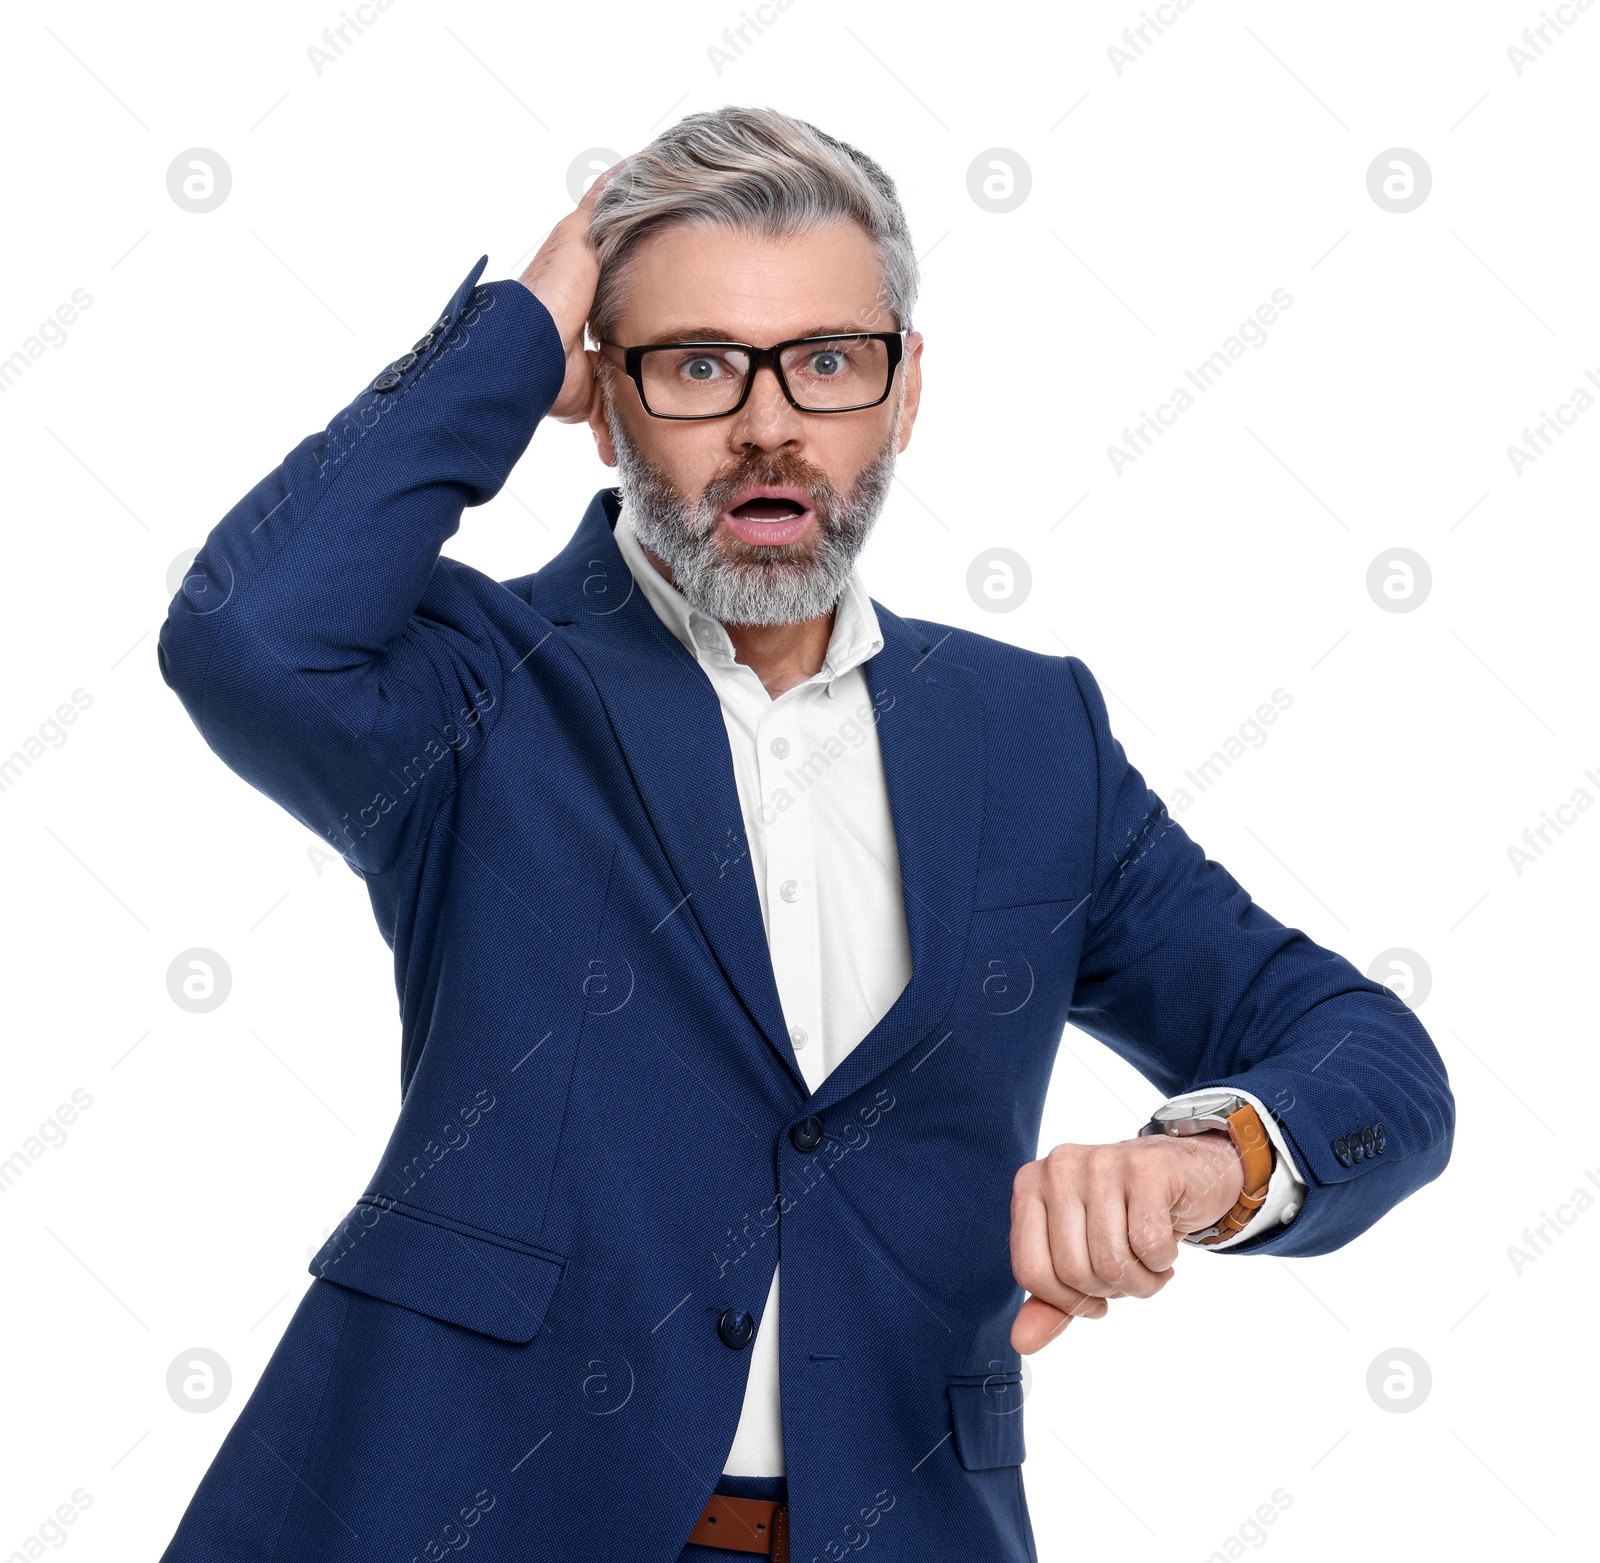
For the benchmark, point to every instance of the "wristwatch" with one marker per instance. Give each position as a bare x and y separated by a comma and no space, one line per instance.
1235,1116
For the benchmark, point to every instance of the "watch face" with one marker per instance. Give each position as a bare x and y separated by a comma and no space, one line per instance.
1208,1104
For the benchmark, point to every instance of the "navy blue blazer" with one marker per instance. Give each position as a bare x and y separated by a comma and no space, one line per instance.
537,1304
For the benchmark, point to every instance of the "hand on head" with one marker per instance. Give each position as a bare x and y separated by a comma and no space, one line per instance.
563,277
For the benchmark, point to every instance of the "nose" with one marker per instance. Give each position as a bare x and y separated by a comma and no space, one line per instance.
767,420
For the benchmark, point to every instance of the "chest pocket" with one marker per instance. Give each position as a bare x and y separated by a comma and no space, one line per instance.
1027,928
1043,882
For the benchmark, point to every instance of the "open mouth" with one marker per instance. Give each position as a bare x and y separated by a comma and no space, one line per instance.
769,517
765,509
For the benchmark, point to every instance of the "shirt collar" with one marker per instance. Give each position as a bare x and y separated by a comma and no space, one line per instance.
856,633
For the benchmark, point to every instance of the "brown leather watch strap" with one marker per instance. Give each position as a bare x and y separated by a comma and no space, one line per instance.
744,1525
1256,1157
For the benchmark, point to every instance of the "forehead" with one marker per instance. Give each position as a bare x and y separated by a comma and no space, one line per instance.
751,287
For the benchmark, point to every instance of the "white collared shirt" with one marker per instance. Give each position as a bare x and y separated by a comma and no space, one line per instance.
816,811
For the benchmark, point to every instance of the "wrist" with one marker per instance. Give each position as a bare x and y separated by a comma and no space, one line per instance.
1218,1175
1195,1116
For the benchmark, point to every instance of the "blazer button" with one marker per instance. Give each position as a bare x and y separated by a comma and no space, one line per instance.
807,1134
423,343
1341,1151
386,382
1369,1141
405,361
1378,1139
736,1328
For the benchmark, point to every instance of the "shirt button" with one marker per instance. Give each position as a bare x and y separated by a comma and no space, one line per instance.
797,1035
790,890
780,747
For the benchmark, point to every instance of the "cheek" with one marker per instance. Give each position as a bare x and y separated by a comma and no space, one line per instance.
687,457
845,453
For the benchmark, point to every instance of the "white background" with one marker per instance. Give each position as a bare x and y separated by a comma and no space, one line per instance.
1168,201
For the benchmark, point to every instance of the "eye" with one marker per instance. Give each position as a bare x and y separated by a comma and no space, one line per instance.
703,367
827,363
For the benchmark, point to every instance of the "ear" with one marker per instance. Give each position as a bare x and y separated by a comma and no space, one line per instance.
911,368
604,445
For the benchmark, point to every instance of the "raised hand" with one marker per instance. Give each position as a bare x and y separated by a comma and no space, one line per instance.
563,276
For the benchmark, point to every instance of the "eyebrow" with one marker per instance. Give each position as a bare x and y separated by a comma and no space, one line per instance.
713,334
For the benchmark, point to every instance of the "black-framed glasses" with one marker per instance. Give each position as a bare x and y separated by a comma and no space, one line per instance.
844,373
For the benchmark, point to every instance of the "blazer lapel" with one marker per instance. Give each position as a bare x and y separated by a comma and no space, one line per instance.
669,724
931,734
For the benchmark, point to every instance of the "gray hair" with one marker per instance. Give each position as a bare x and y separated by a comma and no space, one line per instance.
756,169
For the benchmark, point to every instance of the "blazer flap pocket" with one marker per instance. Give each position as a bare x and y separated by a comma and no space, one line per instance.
986,1414
432,1265
1027,884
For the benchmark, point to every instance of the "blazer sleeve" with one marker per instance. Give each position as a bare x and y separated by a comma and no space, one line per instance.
1183,975
312,642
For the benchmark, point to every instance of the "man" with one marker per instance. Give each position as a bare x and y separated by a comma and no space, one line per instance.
733,915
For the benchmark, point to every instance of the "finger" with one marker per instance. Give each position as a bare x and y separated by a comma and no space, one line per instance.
1151,1233
1038,1323
1069,1247
579,387
1034,1261
1074,1259
1030,1241
592,194
1115,1266
1106,1242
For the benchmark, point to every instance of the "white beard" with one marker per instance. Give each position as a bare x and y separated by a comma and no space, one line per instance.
785,589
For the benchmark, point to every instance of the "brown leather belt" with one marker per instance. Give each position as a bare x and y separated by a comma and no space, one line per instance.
744,1525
